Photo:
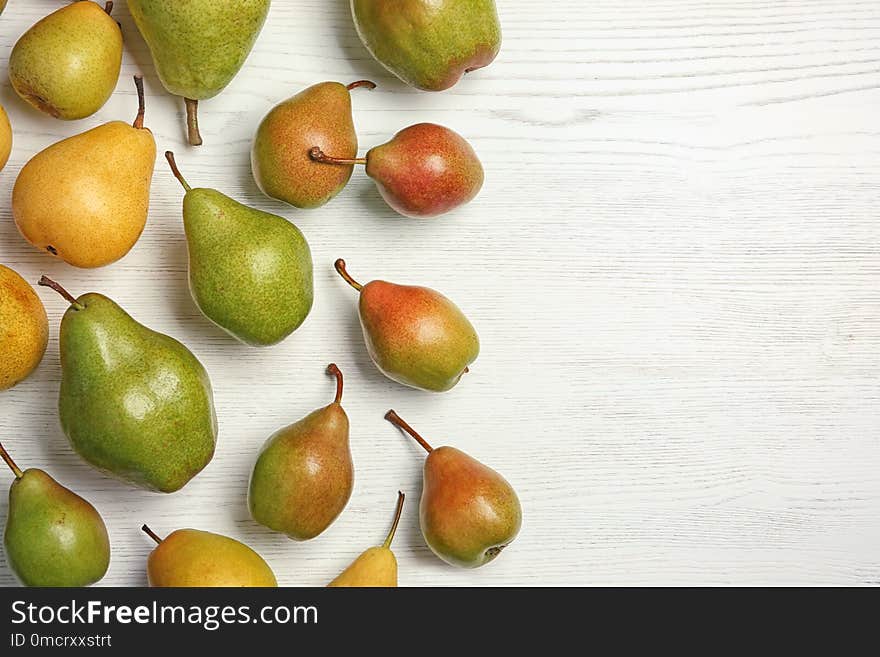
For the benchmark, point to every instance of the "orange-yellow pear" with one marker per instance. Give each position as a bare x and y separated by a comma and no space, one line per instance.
24,328
377,566
193,558
85,198
5,137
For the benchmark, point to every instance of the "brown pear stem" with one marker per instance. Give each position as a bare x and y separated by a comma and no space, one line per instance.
333,369
397,421
367,84
142,107
108,7
340,267
173,164
5,456
45,281
149,532
192,122
390,537
321,157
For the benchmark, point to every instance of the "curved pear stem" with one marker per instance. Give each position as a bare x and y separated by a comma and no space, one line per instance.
398,422
340,267
149,532
192,122
142,107
333,369
5,456
400,498
173,164
367,84
108,7
45,281
321,157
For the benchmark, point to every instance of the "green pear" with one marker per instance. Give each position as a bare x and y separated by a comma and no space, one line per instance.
317,117
304,475
53,536
68,63
429,44
134,403
376,566
198,46
250,272
414,335
468,512
194,558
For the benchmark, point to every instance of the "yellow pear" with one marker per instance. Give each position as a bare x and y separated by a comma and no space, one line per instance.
85,198
5,137
193,558
377,566
24,328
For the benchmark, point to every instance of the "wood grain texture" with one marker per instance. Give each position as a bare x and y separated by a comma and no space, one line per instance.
674,267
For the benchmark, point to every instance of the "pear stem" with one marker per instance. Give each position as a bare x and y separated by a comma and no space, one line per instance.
397,421
108,7
390,537
362,83
340,267
45,281
333,369
149,532
173,164
319,156
142,107
192,122
5,456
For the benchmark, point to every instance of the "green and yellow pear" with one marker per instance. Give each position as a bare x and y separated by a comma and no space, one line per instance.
134,403
67,64
317,117
198,46
429,44
414,335
376,566
250,272
53,536
304,474
5,137
194,559
85,198
24,328
468,512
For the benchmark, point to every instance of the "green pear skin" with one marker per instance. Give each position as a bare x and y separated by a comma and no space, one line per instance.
134,403
429,44
250,272
53,536
304,475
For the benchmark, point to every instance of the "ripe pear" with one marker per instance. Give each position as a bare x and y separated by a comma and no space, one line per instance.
304,475
5,137
414,335
250,272
468,512
24,328
424,171
53,536
198,46
319,116
85,198
193,558
377,566
134,403
68,63
429,44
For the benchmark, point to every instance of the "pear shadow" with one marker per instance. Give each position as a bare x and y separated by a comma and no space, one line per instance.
356,53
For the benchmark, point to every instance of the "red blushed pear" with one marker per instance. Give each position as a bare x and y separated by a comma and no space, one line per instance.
468,512
426,170
414,335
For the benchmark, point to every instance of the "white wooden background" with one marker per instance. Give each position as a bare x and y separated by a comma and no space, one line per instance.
674,268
